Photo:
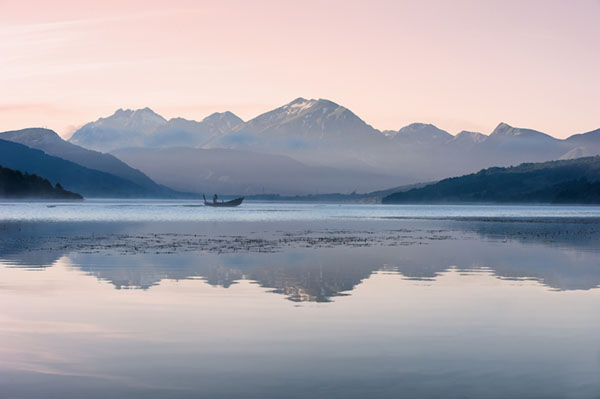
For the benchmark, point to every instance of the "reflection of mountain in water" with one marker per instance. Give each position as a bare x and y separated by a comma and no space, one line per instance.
560,253
562,256
298,274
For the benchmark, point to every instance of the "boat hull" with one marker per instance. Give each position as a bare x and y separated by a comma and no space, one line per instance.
225,204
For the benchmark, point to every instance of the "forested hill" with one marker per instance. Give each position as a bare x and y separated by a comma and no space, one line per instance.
574,181
16,185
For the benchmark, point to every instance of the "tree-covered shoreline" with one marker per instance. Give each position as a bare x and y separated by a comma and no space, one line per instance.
574,181
17,185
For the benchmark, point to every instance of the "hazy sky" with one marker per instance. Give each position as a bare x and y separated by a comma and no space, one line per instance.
457,64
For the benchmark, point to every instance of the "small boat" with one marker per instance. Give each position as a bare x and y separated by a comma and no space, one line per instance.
232,203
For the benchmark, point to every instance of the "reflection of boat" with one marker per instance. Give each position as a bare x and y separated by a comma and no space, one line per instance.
234,202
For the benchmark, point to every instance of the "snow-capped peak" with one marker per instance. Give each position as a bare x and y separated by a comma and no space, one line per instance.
298,105
143,120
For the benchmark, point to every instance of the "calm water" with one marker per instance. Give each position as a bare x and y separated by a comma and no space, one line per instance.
165,299
160,210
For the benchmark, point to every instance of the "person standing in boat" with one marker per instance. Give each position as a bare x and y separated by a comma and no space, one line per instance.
215,197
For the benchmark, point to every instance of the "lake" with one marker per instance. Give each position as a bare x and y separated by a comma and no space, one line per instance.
168,299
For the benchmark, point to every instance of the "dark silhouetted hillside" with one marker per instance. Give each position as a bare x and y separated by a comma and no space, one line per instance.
52,144
565,181
74,177
16,185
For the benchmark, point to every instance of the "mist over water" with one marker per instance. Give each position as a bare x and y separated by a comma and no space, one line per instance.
165,299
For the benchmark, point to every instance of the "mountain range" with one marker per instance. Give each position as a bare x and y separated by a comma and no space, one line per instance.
145,128
314,134
303,147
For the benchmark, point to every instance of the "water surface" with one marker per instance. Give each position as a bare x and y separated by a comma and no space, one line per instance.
167,299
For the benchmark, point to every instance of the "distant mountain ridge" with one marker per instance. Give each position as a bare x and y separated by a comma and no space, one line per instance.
310,119
314,119
423,133
321,133
505,130
145,128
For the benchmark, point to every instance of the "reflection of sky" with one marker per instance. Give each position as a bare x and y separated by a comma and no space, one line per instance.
503,307
561,255
454,335
319,274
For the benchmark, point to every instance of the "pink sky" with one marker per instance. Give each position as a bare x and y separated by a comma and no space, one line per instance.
457,64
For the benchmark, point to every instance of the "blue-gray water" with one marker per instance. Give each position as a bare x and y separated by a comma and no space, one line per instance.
161,299
160,210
